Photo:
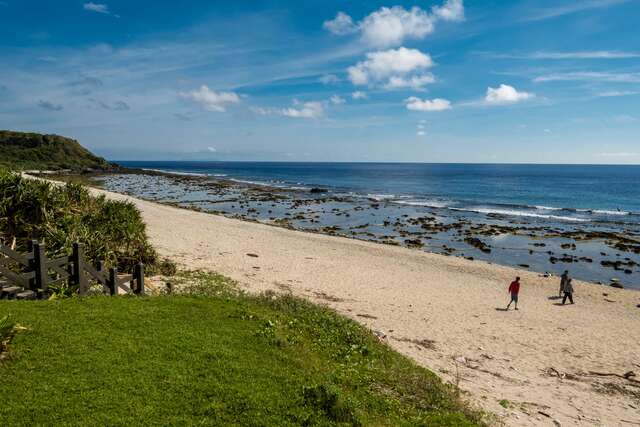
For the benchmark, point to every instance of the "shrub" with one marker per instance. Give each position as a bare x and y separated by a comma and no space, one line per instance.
59,215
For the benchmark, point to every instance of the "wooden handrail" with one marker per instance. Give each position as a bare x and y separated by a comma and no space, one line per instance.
40,272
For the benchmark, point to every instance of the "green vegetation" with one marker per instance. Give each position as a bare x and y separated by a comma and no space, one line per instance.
34,151
59,215
7,331
210,356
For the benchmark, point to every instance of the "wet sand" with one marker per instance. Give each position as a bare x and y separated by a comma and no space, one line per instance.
444,312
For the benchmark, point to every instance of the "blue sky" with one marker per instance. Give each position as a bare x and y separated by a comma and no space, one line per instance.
425,81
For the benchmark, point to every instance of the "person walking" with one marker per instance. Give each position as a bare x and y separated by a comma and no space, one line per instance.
514,290
568,292
563,282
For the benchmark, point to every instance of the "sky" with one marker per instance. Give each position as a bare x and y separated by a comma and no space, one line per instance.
530,81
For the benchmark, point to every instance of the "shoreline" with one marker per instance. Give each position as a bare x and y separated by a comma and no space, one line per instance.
443,312
591,251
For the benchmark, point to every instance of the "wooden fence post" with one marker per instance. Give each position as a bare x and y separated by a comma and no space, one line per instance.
138,274
113,281
79,278
40,266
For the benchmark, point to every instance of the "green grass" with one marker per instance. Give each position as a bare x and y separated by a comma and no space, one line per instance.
210,357
27,151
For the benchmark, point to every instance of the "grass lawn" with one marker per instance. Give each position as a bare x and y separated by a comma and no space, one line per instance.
216,359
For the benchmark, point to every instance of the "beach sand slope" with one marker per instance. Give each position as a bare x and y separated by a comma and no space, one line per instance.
529,367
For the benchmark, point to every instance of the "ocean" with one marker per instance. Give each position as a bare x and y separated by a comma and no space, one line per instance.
544,218
561,192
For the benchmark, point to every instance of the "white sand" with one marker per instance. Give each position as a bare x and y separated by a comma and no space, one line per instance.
412,295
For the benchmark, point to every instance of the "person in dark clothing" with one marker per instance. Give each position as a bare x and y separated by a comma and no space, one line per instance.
563,281
514,290
568,292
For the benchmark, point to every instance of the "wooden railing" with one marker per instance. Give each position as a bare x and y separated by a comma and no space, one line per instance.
29,275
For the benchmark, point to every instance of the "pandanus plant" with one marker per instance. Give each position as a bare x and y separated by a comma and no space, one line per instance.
112,231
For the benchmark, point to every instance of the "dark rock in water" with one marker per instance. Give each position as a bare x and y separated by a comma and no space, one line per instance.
628,271
617,285
478,244
413,242
318,190
524,265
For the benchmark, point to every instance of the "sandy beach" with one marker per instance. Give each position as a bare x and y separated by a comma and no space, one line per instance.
535,366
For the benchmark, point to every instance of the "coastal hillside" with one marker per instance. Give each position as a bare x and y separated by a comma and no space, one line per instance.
25,151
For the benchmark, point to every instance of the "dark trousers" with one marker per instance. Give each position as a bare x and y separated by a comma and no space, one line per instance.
567,295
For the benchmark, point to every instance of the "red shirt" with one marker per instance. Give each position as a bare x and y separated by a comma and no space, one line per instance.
514,287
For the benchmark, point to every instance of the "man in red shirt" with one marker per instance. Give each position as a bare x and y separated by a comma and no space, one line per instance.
514,289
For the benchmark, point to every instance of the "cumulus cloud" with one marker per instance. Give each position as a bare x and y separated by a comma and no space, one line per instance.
417,104
47,105
421,133
505,94
391,68
212,149
340,25
391,26
336,99
306,110
329,79
451,10
211,100
359,95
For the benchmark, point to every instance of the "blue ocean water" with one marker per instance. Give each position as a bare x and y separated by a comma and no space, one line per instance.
593,193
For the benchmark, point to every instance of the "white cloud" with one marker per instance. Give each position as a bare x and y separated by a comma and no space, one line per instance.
340,25
359,95
212,149
451,10
390,26
211,100
505,94
413,82
99,8
307,110
590,76
329,79
417,104
421,133
300,110
336,99
262,111
384,66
